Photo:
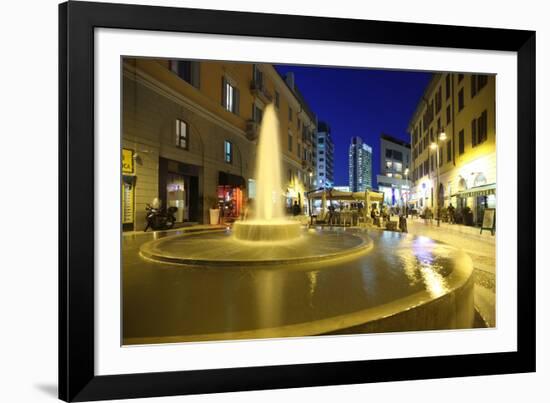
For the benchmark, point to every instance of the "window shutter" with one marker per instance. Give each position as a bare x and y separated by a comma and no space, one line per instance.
480,128
236,99
196,74
224,93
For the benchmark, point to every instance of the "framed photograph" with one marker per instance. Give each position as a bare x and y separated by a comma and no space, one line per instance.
257,201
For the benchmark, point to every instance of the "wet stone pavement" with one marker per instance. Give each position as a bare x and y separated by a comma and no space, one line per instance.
481,249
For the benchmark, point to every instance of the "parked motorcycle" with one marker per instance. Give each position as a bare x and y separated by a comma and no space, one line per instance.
159,218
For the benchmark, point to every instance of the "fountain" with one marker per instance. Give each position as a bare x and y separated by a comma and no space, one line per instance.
269,277
268,223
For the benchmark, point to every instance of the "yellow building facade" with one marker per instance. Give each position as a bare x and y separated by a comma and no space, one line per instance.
453,146
191,129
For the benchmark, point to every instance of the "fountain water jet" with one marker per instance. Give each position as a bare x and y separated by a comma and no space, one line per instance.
268,223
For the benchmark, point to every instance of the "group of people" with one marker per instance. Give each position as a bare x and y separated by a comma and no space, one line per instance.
447,214
386,213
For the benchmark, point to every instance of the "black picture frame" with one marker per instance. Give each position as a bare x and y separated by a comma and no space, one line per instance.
77,379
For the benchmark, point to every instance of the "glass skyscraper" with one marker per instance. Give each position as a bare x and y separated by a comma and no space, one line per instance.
360,165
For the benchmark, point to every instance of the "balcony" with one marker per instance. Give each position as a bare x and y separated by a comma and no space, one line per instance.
252,130
257,89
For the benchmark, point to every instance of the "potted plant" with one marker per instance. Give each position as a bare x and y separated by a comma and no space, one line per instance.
213,202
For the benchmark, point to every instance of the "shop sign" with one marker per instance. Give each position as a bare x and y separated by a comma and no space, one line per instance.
127,161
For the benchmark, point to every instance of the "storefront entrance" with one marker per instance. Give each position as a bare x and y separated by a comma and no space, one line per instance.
230,192
177,196
179,187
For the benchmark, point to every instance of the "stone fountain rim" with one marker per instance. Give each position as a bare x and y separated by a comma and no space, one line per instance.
146,251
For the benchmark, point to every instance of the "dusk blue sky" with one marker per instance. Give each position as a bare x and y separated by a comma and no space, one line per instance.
359,102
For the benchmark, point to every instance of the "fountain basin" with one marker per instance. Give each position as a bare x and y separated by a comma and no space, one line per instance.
223,249
273,231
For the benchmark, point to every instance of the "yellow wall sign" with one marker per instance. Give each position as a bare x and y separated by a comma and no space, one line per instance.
127,161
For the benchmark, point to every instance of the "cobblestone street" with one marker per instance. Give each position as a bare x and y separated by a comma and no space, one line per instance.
480,247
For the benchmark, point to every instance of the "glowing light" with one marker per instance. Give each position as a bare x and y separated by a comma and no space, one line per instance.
433,146
268,169
443,136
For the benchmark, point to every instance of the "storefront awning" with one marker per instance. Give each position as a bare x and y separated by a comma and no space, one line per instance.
331,194
228,179
484,190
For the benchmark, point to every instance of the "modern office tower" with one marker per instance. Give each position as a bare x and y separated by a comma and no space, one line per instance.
360,165
325,156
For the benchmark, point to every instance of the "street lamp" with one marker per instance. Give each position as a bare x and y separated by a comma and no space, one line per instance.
435,146
406,207
309,202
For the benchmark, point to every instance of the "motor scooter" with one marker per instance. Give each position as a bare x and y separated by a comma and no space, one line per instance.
159,218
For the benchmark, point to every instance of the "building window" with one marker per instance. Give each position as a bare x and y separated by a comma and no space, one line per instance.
481,81
258,76
228,151
230,96
187,70
289,114
461,99
257,113
461,142
440,155
449,151
482,128
479,129
473,85
447,86
277,99
438,100
182,135
460,77
478,81
448,114
321,140
299,149
289,141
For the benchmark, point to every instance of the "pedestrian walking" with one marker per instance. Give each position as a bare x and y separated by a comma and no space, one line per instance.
403,223
451,213
296,210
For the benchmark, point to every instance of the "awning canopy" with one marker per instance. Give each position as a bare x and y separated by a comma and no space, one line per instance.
228,179
332,194
484,190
